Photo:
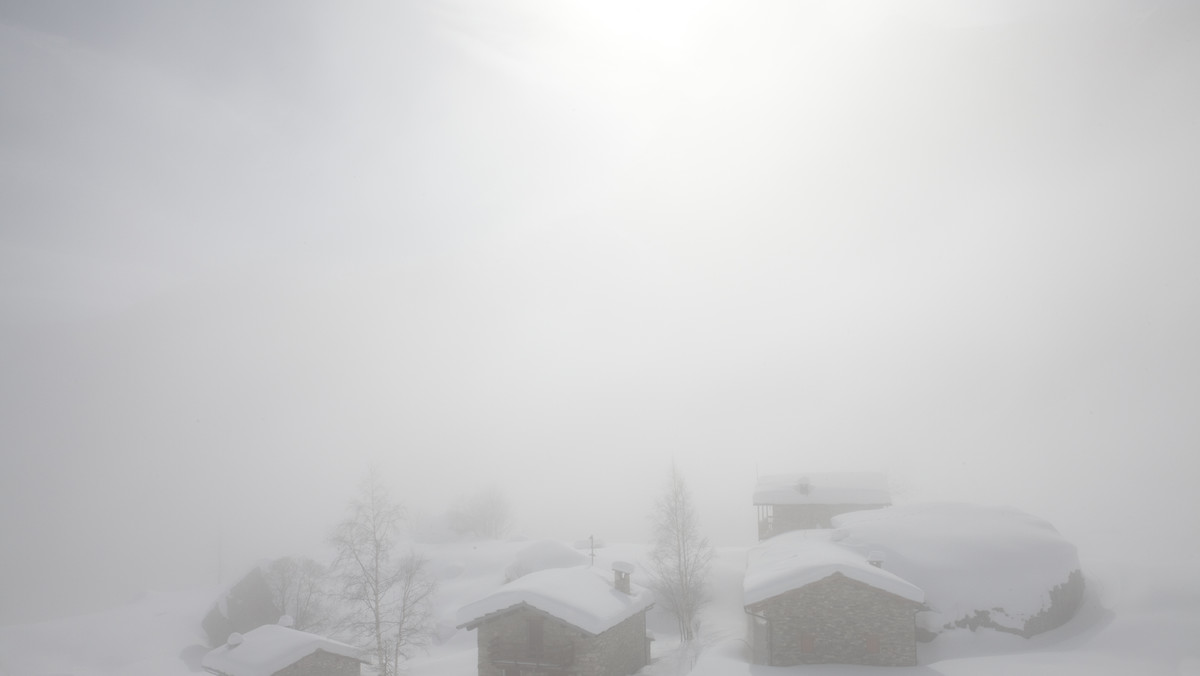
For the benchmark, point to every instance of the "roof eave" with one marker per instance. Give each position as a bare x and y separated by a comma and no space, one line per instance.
473,624
764,599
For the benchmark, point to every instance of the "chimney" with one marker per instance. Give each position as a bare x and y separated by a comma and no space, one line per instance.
621,573
875,558
803,485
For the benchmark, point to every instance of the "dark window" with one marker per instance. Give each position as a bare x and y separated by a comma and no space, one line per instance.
871,643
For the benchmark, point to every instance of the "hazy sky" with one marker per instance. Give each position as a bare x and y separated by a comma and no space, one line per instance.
248,248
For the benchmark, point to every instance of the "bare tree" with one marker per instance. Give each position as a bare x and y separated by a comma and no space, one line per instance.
365,543
485,514
299,589
681,557
412,617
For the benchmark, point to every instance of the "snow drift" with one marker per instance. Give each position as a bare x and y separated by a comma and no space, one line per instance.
979,566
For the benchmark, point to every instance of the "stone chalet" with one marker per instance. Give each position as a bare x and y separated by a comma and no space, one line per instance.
809,600
788,502
562,621
277,650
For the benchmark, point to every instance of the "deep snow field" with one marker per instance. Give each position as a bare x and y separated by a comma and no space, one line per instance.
1138,617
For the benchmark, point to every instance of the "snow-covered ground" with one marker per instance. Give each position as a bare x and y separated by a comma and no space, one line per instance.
1138,617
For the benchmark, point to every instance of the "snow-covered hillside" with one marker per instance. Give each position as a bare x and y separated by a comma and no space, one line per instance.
159,635
1138,617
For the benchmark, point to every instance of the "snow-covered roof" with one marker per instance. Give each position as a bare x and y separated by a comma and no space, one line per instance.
582,597
824,488
799,558
269,648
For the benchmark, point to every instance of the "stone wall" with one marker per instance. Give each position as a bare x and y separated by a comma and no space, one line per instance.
512,628
322,663
619,651
837,620
757,639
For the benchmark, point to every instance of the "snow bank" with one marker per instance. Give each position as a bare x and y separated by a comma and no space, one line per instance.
833,488
582,597
158,635
270,648
799,558
542,555
979,566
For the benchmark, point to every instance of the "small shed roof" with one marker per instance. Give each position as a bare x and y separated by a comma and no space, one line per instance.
800,558
271,647
582,597
824,488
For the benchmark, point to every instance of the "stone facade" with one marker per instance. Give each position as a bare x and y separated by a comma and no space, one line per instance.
834,620
619,651
507,646
776,519
322,663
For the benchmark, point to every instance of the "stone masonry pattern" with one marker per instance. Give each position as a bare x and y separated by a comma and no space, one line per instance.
619,651
835,620
322,663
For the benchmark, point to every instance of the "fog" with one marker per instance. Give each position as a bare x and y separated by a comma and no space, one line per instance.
248,250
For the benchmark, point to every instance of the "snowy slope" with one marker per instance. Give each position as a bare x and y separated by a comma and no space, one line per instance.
159,635
1139,617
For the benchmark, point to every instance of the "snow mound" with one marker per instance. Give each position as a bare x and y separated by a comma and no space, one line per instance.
543,555
582,597
979,566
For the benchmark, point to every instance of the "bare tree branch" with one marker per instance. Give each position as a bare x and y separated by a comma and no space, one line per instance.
364,543
298,589
485,514
681,557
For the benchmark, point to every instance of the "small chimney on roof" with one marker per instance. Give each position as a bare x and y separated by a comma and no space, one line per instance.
621,573
875,558
803,485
